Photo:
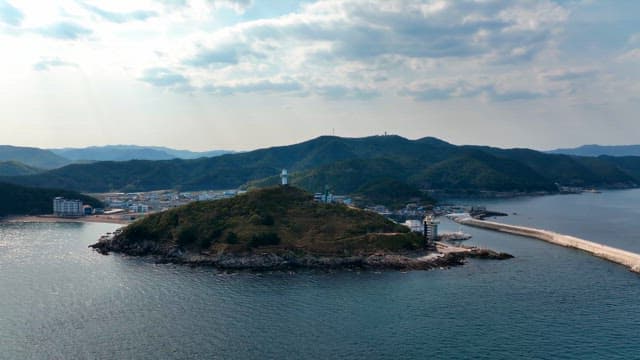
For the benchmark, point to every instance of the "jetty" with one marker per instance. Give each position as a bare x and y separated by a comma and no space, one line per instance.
627,258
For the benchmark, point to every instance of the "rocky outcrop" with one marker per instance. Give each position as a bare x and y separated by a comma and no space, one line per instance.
479,253
289,260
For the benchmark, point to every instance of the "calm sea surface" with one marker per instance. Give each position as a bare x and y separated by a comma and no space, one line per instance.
60,300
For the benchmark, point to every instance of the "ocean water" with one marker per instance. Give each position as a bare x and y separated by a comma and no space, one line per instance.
60,300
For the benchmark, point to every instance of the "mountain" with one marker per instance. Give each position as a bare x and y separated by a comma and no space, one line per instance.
20,200
346,164
33,157
187,154
131,152
565,169
476,169
597,150
15,168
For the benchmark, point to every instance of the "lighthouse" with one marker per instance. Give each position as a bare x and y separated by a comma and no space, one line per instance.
285,177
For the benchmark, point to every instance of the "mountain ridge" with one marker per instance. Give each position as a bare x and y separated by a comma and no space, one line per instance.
16,168
426,163
599,150
33,157
131,152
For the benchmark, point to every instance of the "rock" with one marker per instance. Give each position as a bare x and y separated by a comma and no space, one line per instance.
289,260
488,254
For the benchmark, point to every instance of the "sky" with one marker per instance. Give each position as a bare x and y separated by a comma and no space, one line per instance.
246,74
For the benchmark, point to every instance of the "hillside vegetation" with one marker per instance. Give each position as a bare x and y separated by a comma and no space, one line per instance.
15,168
347,164
275,218
20,200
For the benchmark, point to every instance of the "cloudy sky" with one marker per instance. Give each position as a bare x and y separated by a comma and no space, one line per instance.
242,74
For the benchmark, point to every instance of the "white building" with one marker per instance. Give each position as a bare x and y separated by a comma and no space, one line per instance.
431,228
139,208
66,207
415,225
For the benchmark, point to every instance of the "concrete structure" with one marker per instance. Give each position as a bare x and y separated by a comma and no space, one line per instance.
430,229
619,256
66,207
284,176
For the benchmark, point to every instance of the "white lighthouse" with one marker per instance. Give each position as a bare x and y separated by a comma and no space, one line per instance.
285,177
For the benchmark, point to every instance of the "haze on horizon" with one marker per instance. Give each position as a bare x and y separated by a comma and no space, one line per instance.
244,74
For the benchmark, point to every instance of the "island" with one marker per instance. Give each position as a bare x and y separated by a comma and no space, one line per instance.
281,228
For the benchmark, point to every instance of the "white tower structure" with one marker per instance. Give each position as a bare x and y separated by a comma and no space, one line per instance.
285,177
430,229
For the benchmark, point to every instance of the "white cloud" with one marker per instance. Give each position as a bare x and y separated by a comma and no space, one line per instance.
10,14
198,60
47,64
632,55
340,44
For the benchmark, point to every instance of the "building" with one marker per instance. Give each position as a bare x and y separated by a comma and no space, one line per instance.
430,229
139,208
67,207
414,225
285,177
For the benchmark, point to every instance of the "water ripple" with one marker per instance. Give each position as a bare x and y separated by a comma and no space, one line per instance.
60,300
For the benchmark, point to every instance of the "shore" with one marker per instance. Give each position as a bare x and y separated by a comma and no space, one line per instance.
443,256
53,219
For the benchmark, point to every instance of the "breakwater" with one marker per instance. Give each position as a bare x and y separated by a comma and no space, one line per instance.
623,257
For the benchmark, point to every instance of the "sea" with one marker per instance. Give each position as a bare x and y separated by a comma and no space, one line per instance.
61,300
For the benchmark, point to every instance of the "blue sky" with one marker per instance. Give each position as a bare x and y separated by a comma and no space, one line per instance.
243,74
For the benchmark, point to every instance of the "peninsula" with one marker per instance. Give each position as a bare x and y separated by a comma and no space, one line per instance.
281,228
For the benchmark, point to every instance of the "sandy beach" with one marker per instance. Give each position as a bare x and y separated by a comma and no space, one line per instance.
50,218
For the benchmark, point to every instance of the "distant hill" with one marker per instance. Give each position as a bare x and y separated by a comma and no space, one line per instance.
477,169
347,164
187,154
15,168
33,157
131,152
565,169
20,200
597,150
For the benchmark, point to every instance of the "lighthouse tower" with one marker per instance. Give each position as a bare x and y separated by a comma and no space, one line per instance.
285,177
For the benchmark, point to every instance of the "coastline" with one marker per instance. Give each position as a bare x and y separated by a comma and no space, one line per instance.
444,256
55,219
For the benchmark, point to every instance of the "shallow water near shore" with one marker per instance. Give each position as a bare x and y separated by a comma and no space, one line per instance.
61,300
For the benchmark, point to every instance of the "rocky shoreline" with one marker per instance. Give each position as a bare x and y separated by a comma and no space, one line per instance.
287,260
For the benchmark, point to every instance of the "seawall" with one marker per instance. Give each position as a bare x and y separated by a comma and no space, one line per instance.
623,257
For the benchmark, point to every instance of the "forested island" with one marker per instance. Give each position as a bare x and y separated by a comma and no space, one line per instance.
277,228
